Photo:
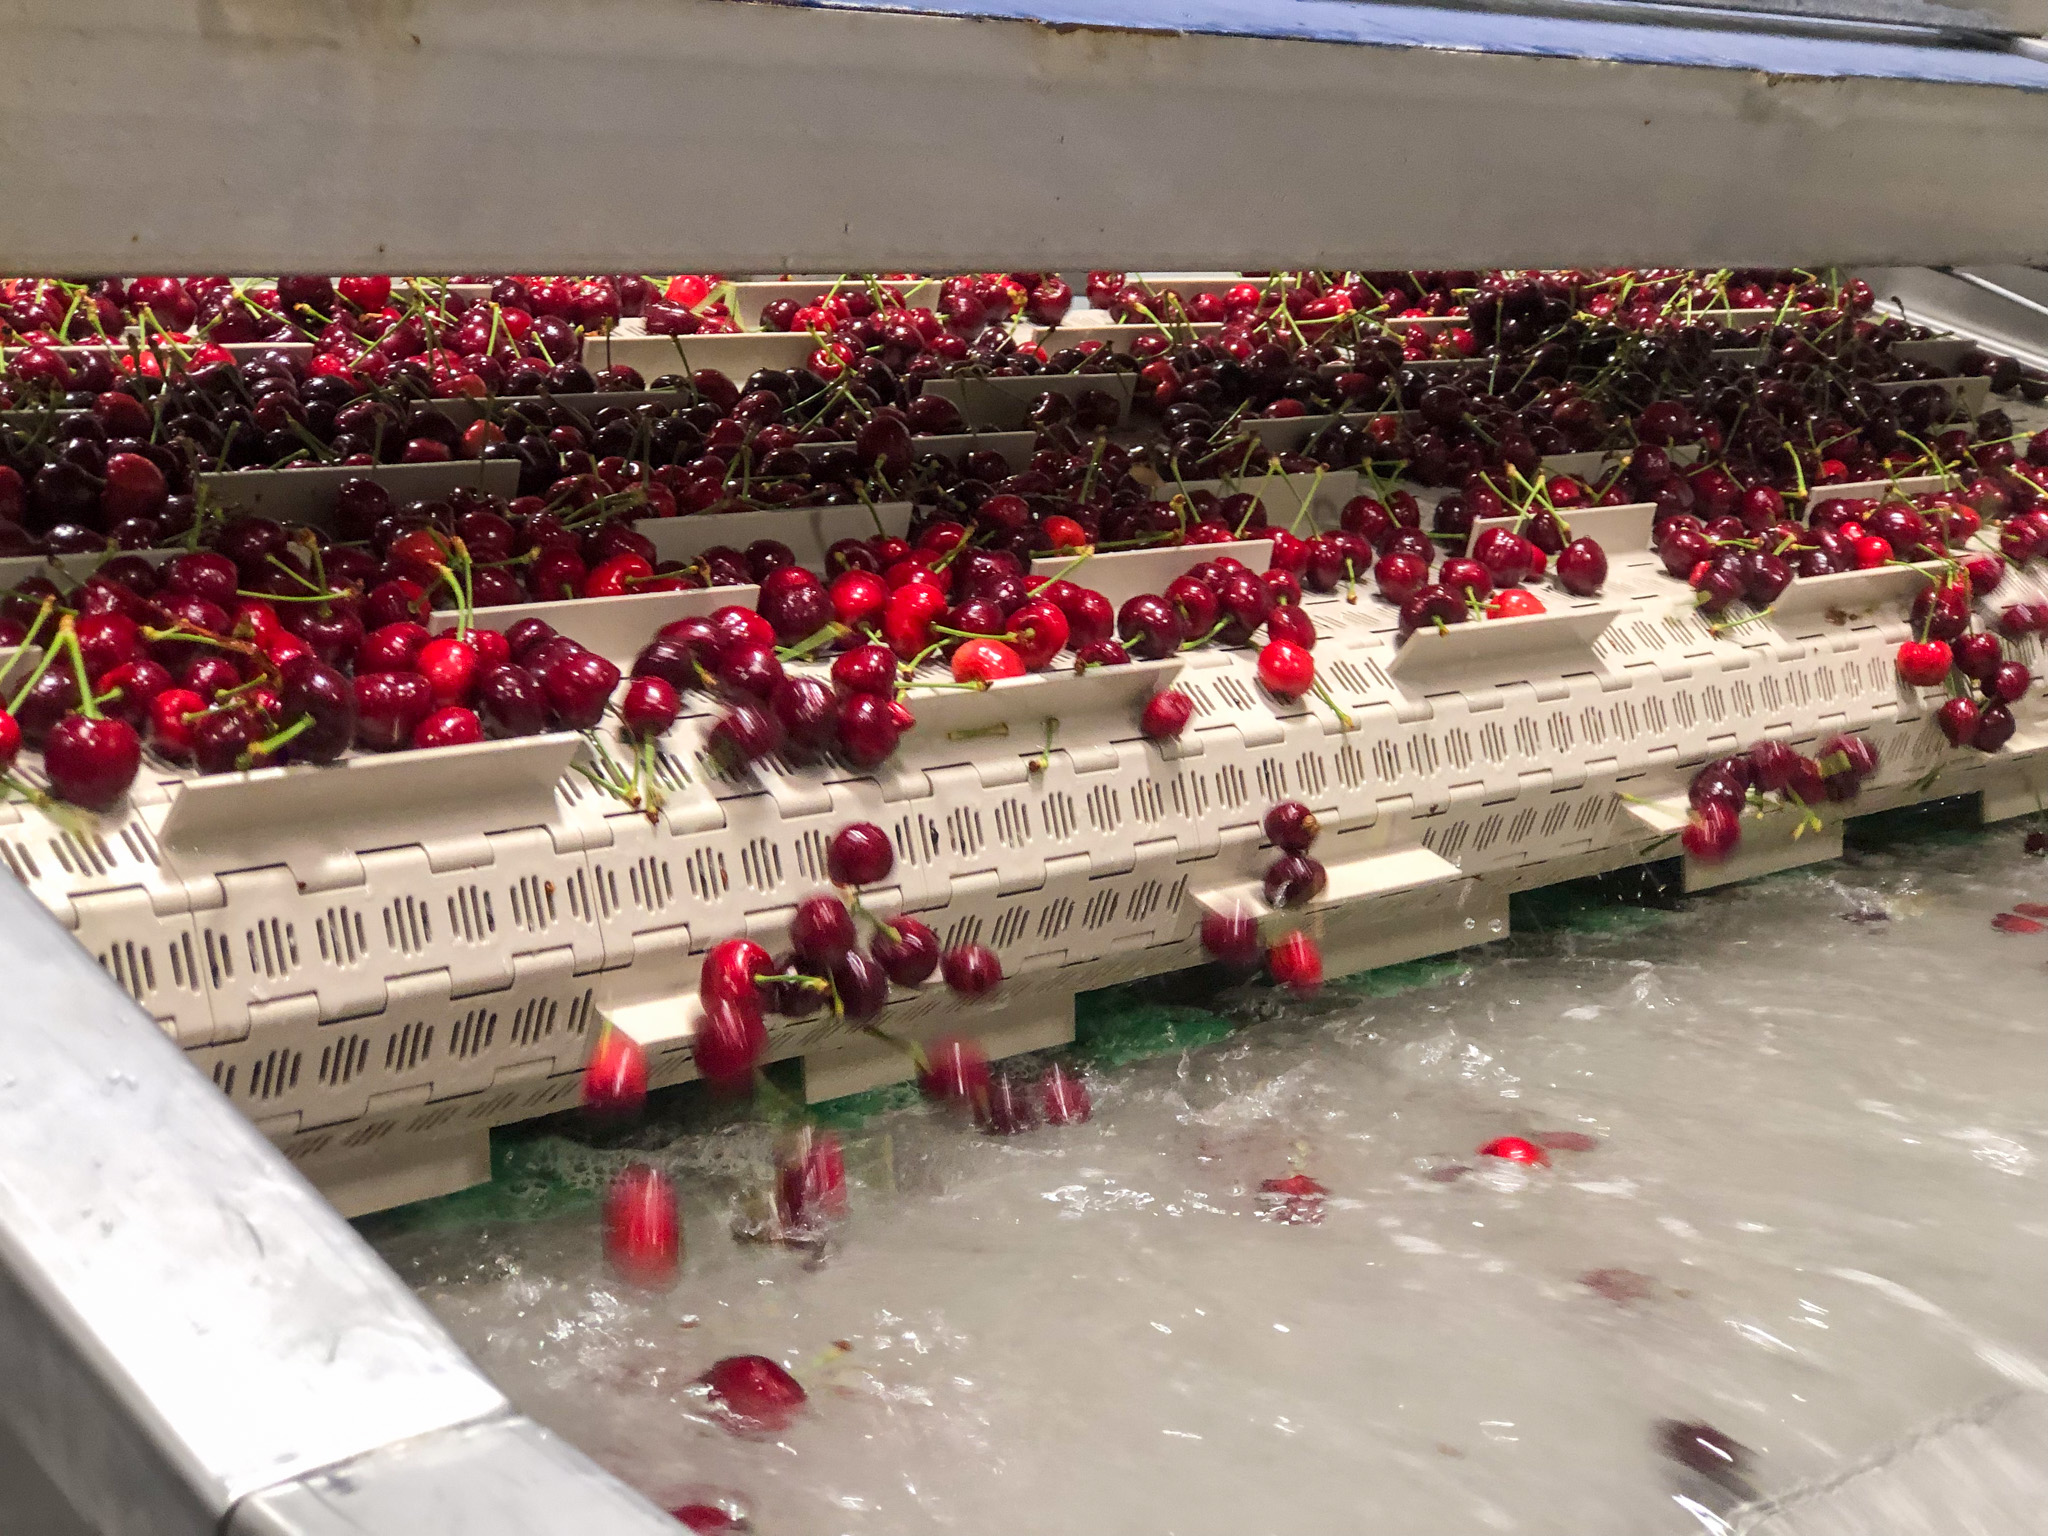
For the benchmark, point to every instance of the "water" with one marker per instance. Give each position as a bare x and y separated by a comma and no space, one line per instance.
1820,1104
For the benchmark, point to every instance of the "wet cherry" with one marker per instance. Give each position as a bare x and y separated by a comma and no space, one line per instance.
643,1230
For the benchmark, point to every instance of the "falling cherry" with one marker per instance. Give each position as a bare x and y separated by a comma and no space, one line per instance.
643,1233
615,1080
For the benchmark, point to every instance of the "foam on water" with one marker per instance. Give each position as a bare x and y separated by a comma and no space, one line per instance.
1818,1164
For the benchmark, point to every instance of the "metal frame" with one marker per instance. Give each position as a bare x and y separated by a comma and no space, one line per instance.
192,1340
607,135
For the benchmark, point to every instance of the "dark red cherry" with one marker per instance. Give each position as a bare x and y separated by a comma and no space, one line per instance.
907,951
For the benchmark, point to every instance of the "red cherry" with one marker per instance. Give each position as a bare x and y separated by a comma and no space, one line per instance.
615,1078
706,1519
450,667
860,853
1924,663
822,929
450,727
955,1070
10,738
1958,719
1063,1097
91,762
1042,632
1166,715
972,970
730,1040
731,970
1231,937
1296,962
1712,832
643,1232
1292,827
986,661
650,707
1515,603
1516,1149
751,1394
810,1179
907,951
1287,670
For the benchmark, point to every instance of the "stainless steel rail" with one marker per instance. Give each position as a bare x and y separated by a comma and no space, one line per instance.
192,1341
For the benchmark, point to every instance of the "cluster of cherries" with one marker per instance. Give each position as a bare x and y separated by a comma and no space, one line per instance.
230,664
1293,879
1772,775
1485,582
1983,681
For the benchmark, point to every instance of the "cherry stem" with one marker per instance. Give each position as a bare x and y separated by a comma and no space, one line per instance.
824,636
270,744
1344,720
67,640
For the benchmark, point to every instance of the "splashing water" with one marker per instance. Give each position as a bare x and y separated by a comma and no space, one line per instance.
1794,1193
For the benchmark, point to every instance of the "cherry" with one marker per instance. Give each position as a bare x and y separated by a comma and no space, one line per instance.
810,1179
1063,1097
643,1230
389,709
822,929
323,696
578,686
1995,727
1011,1111
1924,663
2008,682
955,1071
1292,827
1712,832
972,970
1231,937
1958,719
615,1077
743,736
10,741
1516,1149
1701,1448
1166,715
859,983
730,1040
91,762
1976,655
391,647
1468,578
707,1519
731,970
1089,617
1292,624
869,728
450,666
907,951
1400,576
751,1394
1149,627
221,740
1293,880
453,726
1287,670
1296,963
649,708
866,669
860,853
986,661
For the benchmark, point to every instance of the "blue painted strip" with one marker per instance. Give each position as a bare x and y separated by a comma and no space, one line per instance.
1415,26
